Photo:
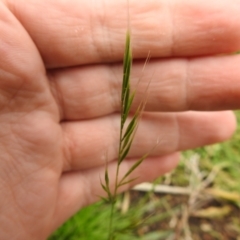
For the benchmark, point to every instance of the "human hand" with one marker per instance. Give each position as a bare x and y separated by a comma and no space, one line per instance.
60,79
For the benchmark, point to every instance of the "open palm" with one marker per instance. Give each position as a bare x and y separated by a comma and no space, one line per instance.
60,79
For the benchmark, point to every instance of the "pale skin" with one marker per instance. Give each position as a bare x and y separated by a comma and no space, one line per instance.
60,80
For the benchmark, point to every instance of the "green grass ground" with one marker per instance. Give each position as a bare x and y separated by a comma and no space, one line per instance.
198,200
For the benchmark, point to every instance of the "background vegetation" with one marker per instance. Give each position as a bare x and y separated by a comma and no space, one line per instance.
198,200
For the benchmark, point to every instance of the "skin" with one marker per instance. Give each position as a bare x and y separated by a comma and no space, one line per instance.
60,80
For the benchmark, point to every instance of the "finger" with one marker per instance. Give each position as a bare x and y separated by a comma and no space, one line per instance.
209,83
79,32
22,74
91,143
83,188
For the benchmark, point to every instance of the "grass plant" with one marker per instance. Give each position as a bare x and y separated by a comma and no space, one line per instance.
128,126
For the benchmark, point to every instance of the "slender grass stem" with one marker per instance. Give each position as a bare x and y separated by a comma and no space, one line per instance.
116,182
